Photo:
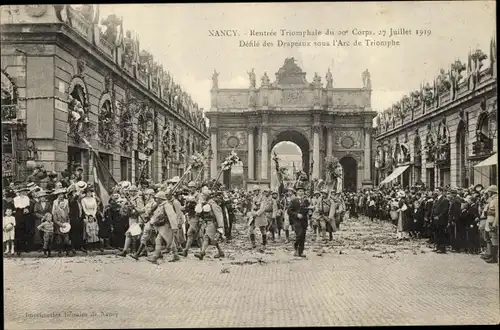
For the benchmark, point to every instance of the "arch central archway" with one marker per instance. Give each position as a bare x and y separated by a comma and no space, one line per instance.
297,138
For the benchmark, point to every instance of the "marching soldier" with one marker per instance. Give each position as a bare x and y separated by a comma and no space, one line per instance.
193,219
149,209
212,224
491,226
316,213
166,220
285,203
262,217
297,211
324,208
274,226
136,209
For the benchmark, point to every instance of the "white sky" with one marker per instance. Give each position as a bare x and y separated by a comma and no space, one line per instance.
177,36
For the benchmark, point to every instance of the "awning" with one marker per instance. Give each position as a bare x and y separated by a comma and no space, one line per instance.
397,172
492,160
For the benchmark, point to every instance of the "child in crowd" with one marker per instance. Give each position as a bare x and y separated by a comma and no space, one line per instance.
47,226
9,223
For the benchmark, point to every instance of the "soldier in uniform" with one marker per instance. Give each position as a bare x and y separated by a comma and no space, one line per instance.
274,226
285,203
166,220
491,226
136,204
315,213
324,208
212,226
149,210
297,211
262,217
193,219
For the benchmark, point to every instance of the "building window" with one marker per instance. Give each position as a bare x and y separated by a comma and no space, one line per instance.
493,175
125,169
107,159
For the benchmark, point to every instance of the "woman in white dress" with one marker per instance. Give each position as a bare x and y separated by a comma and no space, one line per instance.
89,208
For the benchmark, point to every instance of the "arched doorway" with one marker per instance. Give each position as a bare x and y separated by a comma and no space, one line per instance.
290,159
300,141
461,155
350,170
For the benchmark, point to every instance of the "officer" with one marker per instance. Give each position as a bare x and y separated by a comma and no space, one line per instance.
297,211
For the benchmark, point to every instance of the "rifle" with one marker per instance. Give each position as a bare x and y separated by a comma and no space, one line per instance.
281,187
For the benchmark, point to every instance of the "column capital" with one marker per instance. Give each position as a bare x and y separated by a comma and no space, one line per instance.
317,128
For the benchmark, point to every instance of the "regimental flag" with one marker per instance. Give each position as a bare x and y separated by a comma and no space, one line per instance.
103,179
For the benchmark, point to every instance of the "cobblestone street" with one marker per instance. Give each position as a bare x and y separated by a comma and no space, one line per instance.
363,277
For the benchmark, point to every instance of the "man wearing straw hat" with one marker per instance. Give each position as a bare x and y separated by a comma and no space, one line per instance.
60,213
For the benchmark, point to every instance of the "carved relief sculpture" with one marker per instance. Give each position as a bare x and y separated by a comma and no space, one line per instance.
126,126
145,130
107,127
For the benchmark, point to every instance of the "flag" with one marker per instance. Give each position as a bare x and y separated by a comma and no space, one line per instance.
103,179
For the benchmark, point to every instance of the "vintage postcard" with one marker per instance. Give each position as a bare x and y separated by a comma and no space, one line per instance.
207,165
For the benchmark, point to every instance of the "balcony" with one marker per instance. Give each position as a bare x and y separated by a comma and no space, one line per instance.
483,147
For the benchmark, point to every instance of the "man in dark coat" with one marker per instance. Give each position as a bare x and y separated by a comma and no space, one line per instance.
457,228
440,213
297,212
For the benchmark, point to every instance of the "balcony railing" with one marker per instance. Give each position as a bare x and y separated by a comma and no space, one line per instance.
484,147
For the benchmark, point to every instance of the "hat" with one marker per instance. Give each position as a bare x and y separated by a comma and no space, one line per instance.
256,187
266,190
205,190
191,184
53,174
125,184
493,188
79,168
300,187
161,195
149,192
9,193
9,227
175,179
132,188
81,185
291,189
316,192
22,187
275,192
41,193
324,191
65,228
31,186
479,187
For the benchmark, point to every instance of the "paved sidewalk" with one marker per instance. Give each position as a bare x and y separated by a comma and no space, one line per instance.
363,278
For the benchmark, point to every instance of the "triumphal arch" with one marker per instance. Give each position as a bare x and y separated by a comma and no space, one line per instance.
322,120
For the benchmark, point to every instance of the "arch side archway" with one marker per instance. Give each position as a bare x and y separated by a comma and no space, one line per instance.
350,173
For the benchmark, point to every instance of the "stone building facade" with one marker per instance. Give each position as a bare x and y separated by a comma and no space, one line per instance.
68,84
440,132
321,120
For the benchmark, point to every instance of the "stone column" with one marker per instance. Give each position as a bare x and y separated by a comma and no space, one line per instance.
368,158
264,156
329,141
213,162
251,155
315,172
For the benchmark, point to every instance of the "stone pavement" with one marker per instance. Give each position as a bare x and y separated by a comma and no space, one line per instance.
363,277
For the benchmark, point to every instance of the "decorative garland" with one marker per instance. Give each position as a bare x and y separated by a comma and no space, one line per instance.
333,168
107,125
80,126
126,127
145,137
